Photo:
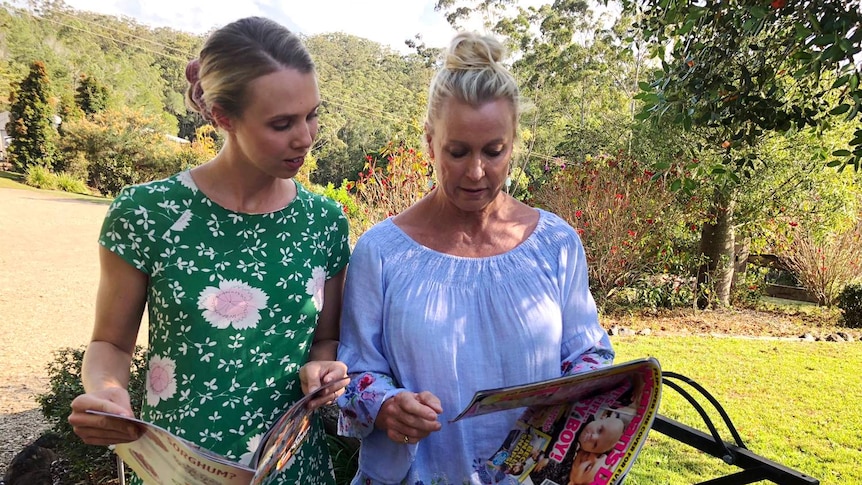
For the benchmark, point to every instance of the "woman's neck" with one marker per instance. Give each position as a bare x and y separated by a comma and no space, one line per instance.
239,186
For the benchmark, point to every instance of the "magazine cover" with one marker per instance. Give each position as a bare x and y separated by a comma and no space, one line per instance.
159,457
584,429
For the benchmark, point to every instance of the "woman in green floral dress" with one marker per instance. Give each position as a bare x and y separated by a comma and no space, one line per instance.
240,267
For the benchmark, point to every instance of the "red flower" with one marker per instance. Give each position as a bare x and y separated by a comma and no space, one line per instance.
776,4
693,227
793,223
632,234
366,381
578,214
619,196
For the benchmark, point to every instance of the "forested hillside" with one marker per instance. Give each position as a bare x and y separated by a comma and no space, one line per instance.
371,94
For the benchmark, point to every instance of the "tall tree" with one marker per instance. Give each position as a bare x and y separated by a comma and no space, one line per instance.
739,69
31,123
91,95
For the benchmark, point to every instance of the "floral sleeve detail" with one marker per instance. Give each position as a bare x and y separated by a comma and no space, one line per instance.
598,356
361,402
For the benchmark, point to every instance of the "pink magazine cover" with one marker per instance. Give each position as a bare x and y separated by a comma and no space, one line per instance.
585,429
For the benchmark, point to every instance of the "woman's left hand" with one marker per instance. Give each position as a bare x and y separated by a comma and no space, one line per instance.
317,373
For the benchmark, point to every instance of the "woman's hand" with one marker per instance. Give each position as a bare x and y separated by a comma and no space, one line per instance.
409,417
317,373
103,430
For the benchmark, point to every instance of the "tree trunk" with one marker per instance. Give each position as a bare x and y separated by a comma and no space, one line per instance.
715,273
740,261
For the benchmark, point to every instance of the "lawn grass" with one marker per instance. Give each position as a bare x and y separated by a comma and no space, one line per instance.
796,403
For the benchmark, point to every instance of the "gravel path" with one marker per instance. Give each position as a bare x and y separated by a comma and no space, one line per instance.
48,277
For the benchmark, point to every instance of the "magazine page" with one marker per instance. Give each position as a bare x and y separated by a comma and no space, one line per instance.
559,390
591,440
159,457
280,444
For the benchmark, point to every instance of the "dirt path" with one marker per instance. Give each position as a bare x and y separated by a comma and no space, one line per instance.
48,277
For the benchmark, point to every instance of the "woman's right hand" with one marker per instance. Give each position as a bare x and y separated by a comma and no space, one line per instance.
409,417
95,429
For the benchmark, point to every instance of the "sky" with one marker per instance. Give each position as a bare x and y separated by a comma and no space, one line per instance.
388,22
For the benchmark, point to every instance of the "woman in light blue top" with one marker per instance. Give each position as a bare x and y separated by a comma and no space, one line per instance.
468,289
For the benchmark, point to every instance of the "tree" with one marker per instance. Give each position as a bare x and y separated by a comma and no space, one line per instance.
91,95
735,71
31,123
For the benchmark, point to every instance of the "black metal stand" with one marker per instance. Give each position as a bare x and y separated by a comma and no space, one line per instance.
754,467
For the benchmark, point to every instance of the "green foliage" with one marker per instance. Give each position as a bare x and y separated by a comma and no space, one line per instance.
91,95
749,289
345,457
371,96
850,303
122,147
69,183
87,464
749,67
40,177
31,122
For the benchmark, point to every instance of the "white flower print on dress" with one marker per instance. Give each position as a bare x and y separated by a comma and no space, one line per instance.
161,379
233,303
182,222
185,178
314,286
252,445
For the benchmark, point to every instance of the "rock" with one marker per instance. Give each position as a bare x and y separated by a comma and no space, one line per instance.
32,466
846,336
834,337
645,331
807,337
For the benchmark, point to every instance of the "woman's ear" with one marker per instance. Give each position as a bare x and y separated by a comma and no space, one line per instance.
428,141
221,118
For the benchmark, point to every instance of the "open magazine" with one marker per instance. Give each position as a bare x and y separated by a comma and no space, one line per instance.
159,457
581,429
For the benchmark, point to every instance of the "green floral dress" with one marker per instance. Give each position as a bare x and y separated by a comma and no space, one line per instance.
233,302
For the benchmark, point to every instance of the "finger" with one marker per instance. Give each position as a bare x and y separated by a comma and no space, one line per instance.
334,371
430,400
105,437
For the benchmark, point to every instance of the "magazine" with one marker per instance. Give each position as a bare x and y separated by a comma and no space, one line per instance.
159,457
581,429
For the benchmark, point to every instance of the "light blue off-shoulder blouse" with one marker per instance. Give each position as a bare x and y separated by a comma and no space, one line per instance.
419,320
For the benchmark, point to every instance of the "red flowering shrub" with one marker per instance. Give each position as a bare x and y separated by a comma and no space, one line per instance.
388,188
621,211
824,263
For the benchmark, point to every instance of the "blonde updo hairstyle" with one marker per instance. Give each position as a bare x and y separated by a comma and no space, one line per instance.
234,56
472,73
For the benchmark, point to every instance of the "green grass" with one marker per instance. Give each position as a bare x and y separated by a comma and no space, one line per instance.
795,403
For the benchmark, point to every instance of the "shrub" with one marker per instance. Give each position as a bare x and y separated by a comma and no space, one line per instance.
69,183
749,290
826,262
623,215
386,189
40,177
87,463
850,303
